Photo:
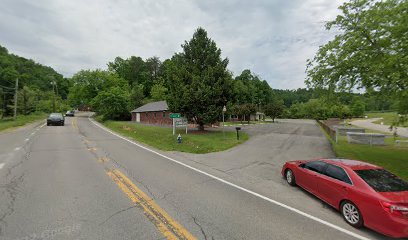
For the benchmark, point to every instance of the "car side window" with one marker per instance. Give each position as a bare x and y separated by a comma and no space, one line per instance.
337,173
316,166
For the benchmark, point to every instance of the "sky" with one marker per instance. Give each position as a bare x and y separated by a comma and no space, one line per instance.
272,38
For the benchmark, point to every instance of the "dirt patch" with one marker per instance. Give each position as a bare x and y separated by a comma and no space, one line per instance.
127,128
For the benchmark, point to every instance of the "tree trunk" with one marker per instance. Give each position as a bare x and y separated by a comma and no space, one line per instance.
201,126
273,119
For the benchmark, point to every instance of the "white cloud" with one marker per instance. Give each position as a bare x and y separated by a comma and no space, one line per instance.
272,38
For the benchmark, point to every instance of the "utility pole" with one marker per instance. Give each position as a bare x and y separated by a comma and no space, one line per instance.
15,100
53,98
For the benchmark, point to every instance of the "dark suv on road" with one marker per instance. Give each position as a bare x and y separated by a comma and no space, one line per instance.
55,119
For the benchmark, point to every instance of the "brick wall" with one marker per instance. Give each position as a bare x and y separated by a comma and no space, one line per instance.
157,118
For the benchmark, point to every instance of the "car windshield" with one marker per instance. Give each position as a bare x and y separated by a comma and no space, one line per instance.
55,115
382,181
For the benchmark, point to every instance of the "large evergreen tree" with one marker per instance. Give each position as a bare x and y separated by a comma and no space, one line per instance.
198,80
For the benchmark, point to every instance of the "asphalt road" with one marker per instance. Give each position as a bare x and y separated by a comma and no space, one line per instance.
81,182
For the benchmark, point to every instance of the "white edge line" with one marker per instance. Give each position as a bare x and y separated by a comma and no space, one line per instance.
2,165
238,187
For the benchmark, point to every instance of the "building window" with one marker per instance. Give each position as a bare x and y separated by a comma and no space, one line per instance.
154,115
147,114
164,114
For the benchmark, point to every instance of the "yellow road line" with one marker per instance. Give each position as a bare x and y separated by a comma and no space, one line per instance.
74,123
163,222
103,159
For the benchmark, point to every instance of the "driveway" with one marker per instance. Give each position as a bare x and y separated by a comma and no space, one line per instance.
270,146
256,164
368,123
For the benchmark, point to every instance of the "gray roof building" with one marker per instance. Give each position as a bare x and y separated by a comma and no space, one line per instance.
152,107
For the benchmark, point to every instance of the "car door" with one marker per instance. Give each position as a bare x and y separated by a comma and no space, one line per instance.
308,175
334,185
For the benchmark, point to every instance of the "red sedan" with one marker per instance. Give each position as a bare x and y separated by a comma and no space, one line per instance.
365,194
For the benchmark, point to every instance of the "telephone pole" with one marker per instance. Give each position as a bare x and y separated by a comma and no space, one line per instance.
15,100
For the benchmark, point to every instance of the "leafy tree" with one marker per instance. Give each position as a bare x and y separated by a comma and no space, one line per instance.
357,107
26,100
274,109
112,103
403,103
86,85
249,88
136,96
51,103
137,71
370,51
158,92
198,80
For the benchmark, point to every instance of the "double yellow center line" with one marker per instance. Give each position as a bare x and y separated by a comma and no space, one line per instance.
163,222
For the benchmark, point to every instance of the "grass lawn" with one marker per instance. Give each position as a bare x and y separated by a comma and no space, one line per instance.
21,120
388,117
392,157
163,139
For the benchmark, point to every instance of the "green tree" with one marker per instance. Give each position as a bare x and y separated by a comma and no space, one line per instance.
136,96
199,82
112,103
357,107
370,51
26,100
158,92
86,85
274,109
315,109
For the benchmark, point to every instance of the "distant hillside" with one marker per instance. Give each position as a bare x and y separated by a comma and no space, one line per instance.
36,83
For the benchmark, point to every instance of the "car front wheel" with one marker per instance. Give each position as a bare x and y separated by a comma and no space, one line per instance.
351,214
290,177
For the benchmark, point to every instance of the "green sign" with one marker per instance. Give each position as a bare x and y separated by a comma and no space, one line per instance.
175,115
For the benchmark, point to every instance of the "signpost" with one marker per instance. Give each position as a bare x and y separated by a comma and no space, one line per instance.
175,115
178,121
224,109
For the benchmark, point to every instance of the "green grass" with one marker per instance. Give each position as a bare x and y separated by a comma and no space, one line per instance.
392,157
21,120
163,139
388,117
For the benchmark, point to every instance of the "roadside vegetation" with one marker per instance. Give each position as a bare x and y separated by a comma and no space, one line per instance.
391,156
162,137
21,120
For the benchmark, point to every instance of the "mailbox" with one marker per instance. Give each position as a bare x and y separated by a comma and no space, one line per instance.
238,128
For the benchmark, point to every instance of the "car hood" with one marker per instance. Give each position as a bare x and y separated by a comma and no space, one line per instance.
400,197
